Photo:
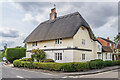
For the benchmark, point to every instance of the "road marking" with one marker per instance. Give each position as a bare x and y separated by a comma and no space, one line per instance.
19,76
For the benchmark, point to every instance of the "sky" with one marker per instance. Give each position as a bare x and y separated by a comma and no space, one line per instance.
19,19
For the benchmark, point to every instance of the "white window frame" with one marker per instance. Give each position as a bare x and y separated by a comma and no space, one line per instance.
34,43
99,57
83,41
58,56
108,56
83,59
58,41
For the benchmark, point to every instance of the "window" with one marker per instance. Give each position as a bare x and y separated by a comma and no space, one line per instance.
82,28
110,45
83,56
83,42
99,47
99,56
34,44
58,41
58,56
108,56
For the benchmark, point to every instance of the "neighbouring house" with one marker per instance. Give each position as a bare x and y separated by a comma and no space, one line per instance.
108,48
67,38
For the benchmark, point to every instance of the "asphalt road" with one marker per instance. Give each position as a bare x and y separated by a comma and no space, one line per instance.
108,74
8,72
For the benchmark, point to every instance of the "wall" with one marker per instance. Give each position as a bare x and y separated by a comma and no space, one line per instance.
50,44
89,44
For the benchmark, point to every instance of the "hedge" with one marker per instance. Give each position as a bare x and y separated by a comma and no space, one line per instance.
65,67
96,64
27,59
47,60
12,54
109,63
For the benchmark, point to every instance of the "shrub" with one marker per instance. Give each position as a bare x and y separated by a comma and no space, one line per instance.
14,53
27,59
38,54
47,60
109,63
66,67
16,63
117,62
96,64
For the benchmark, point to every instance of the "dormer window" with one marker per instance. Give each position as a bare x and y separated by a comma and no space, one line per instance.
34,44
82,28
58,41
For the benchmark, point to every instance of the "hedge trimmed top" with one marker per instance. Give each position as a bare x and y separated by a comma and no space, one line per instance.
15,53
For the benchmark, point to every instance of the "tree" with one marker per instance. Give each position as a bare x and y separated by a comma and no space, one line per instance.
38,54
5,46
117,38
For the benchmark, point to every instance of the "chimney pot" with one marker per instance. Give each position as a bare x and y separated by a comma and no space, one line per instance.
53,14
108,38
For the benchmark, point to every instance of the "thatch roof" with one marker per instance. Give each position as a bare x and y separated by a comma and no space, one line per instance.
61,27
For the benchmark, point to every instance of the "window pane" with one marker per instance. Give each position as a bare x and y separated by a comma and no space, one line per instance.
36,43
60,56
58,41
83,56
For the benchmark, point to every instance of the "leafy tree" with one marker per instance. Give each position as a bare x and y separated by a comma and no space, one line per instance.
38,54
117,38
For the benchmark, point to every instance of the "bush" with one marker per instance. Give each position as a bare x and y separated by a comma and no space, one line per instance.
109,63
47,60
96,64
66,67
12,54
27,59
16,63
117,62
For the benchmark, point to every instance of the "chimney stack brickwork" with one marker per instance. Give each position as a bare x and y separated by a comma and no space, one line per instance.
53,14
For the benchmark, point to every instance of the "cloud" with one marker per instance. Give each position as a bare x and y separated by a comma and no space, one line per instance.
110,29
9,43
96,14
9,32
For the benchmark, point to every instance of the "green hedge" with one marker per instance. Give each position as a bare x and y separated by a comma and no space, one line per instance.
12,54
66,67
96,64
109,63
47,60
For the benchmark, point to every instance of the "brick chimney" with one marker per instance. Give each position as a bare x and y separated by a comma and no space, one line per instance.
53,14
108,38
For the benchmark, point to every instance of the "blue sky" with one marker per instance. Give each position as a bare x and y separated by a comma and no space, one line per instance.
19,19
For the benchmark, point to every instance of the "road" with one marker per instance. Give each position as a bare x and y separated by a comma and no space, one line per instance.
8,72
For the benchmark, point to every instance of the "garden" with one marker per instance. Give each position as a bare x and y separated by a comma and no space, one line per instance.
49,64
